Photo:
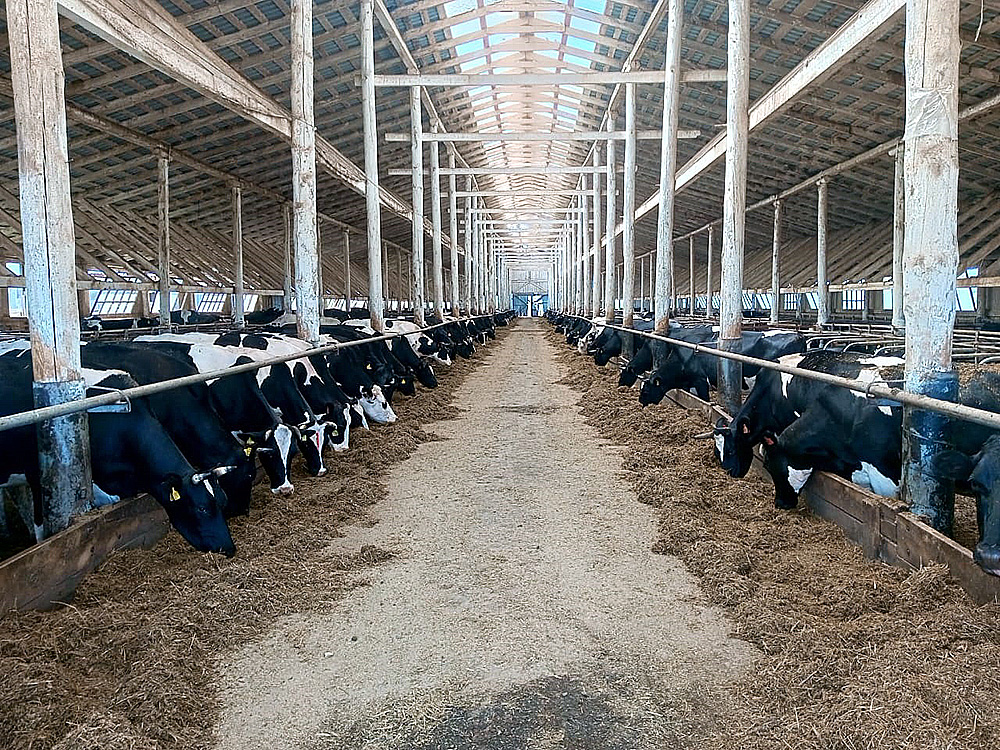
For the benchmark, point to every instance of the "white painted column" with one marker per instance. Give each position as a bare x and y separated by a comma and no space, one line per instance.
588,304
304,172
598,278
642,284
239,306
734,202
417,198
347,270
708,271
822,289
691,274
374,208
453,226
898,232
930,255
286,283
49,245
775,264
437,259
628,212
668,166
610,212
467,305
163,237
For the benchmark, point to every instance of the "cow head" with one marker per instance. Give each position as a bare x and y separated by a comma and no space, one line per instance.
979,474
733,446
236,480
656,387
376,407
338,432
309,440
195,510
273,448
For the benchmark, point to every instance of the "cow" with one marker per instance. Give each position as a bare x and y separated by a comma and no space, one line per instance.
193,317
97,324
276,384
686,369
610,342
131,453
423,343
263,317
186,414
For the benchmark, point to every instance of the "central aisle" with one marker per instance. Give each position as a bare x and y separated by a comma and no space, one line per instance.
523,609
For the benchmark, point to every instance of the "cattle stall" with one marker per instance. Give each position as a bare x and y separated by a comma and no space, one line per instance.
232,231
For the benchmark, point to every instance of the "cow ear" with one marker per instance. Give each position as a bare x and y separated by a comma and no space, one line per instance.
299,373
168,490
721,424
952,464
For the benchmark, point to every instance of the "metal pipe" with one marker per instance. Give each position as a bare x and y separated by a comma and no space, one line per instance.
898,230
163,241
708,273
822,292
239,309
775,261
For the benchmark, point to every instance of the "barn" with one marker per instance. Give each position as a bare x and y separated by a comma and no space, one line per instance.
499,374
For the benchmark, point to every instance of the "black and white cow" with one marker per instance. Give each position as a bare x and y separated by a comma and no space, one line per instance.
217,352
131,453
423,343
686,369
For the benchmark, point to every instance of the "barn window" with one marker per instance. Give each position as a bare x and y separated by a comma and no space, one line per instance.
789,301
114,302
154,304
853,299
210,302
967,297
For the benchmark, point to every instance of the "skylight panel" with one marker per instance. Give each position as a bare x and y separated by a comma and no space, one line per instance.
472,64
498,39
552,16
456,7
581,44
465,27
576,60
594,6
466,47
584,25
493,19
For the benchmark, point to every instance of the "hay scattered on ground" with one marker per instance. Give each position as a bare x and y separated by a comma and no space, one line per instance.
128,665
856,654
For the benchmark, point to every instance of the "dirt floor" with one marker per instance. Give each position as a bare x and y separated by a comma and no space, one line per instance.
855,654
523,606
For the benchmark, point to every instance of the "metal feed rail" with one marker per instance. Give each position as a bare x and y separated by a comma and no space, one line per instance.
124,395
948,408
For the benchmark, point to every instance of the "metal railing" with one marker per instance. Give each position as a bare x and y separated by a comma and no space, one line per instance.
916,400
124,395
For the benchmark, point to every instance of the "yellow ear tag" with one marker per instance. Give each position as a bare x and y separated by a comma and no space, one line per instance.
248,450
174,495
368,366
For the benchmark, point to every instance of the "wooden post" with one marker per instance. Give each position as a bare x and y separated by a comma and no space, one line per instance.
668,166
691,274
476,239
417,192
286,288
628,212
387,275
610,212
304,173
775,261
588,303
163,238
491,276
734,204
437,261
374,209
581,252
239,308
822,290
930,247
320,287
642,284
347,270
453,226
49,246
898,231
467,304
708,272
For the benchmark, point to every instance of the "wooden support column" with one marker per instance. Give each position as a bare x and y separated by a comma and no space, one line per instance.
453,226
691,274
437,260
708,272
49,247
822,289
581,254
930,258
163,236
476,240
588,304
642,284
491,276
467,302
239,306
304,174
598,279
286,288
628,211
668,168
374,218
417,193
610,214
347,270
387,276
734,203
775,264
321,299
898,231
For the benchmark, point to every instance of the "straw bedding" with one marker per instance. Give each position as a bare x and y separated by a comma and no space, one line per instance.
128,665
855,654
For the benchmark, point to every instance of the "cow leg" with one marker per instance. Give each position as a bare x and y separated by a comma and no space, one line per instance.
987,552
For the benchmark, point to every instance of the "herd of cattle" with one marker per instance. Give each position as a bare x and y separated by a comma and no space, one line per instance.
196,449
803,425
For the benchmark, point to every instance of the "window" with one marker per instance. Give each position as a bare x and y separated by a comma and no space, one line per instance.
209,302
853,299
17,302
114,302
967,298
250,302
154,304
789,301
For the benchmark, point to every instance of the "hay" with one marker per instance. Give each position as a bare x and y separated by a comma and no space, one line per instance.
129,665
855,654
